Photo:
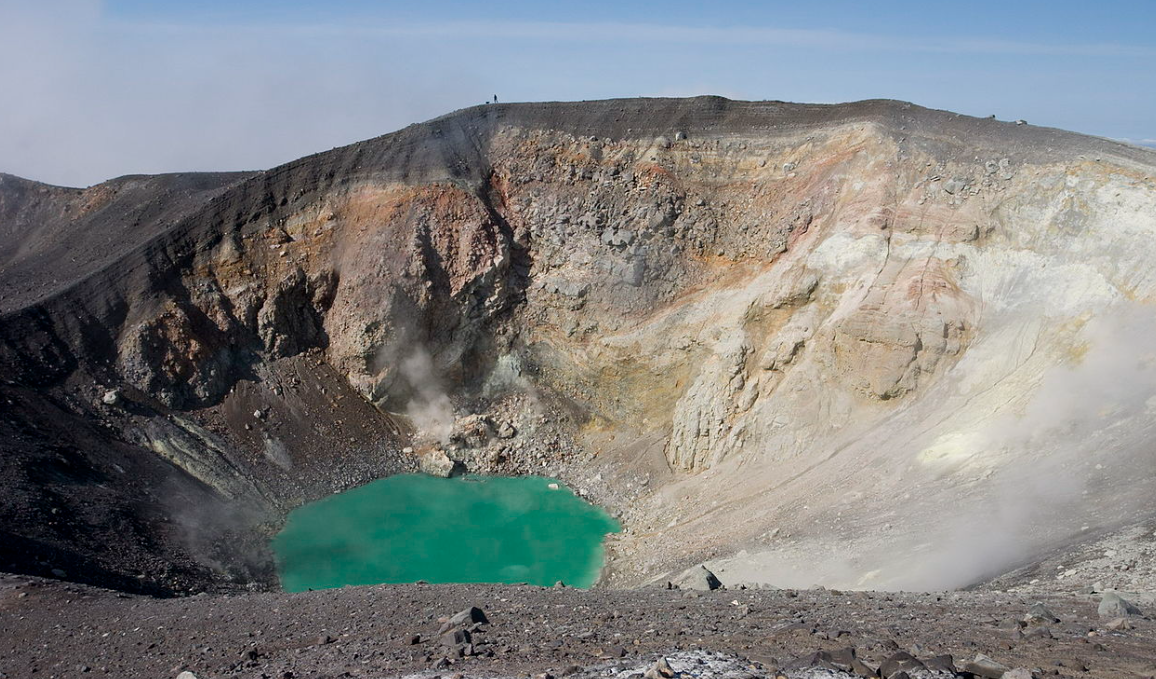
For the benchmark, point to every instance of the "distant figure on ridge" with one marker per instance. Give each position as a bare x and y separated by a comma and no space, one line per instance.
495,98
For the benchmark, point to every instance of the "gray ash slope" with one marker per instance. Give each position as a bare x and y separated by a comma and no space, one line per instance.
187,357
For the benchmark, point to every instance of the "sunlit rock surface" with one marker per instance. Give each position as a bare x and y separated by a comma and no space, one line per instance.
864,345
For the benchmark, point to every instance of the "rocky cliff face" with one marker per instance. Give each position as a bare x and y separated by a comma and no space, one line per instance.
833,337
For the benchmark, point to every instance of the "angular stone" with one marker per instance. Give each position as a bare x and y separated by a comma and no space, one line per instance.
467,617
842,658
1112,605
659,670
900,661
1038,614
437,463
698,578
1118,624
455,637
943,663
862,669
983,666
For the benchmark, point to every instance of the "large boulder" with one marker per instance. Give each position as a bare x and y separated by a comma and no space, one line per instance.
1112,605
983,666
1039,614
470,616
699,578
437,463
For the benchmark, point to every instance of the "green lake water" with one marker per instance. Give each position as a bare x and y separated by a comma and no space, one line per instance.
467,529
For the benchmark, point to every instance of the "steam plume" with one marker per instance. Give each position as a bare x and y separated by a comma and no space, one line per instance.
429,408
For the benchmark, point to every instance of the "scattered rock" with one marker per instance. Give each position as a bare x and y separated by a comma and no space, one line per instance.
455,637
660,670
698,578
1038,614
469,615
955,185
437,463
1112,605
942,663
983,666
1118,624
112,397
472,431
618,237
901,661
843,658
862,669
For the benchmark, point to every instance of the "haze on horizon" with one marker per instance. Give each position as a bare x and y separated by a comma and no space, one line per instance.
95,89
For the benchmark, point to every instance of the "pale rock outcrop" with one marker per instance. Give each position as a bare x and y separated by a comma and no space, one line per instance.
703,418
435,462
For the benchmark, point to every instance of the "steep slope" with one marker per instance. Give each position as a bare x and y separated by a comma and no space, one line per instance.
805,343
56,236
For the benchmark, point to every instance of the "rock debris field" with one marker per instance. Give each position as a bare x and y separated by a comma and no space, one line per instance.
54,629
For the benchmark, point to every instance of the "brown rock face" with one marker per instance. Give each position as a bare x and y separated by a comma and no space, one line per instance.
758,326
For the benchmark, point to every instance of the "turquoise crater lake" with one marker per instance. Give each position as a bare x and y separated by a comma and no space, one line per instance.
467,529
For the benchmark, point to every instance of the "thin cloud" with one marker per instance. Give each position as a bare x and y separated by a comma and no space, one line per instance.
90,96
612,32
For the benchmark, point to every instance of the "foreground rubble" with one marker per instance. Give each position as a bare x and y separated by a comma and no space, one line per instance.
53,629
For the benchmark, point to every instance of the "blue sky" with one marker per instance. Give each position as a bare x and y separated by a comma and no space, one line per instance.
98,89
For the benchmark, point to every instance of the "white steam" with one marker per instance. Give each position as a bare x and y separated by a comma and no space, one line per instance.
429,408
90,95
1079,427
